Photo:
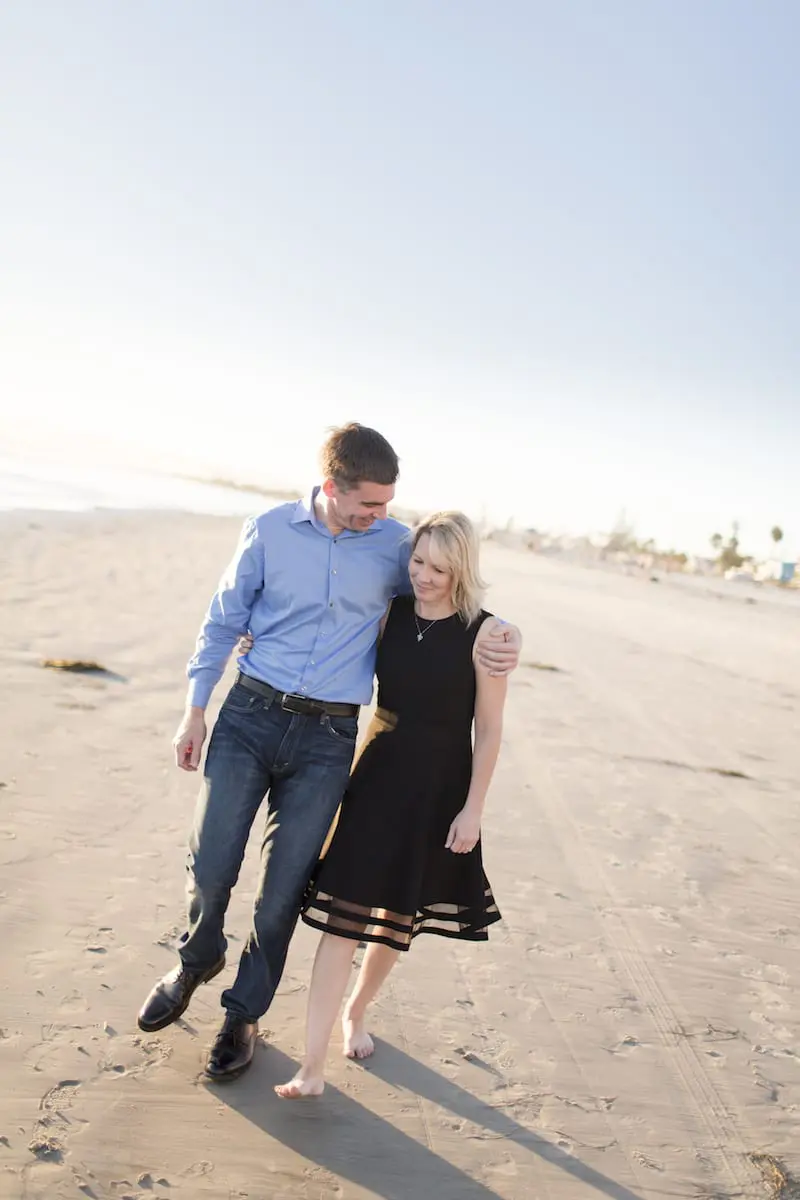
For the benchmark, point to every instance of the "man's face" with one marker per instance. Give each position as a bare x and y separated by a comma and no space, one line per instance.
359,507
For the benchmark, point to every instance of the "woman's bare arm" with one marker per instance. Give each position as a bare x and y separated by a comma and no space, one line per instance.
490,698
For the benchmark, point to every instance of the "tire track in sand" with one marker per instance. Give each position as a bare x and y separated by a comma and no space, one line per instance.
711,1112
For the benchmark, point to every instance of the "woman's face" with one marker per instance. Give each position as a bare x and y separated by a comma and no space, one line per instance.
431,579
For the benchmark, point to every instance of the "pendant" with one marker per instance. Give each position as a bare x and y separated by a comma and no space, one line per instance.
419,637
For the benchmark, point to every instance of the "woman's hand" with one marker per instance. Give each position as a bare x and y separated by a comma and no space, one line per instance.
245,644
464,832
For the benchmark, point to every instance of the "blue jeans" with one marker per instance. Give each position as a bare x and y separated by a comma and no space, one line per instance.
304,763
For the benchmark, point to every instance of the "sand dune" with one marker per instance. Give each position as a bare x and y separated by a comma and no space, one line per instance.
630,1032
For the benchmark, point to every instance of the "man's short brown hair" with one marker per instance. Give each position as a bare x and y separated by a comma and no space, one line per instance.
355,454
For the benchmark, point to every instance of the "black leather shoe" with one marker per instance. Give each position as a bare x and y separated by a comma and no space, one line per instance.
170,997
233,1049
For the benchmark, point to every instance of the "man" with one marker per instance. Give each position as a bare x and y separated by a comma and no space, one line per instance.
311,582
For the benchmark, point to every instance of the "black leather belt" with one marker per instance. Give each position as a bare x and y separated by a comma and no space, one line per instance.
297,704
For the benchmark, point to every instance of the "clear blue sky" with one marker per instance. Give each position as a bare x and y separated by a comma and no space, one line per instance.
550,249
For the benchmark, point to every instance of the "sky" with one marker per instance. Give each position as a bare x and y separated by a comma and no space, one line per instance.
550,250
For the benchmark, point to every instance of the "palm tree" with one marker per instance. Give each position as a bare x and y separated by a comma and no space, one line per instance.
776,534
716,541
730,556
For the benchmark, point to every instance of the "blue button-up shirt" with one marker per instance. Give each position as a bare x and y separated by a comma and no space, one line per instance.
312,600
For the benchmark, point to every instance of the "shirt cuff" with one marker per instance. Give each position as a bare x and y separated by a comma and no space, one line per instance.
200,689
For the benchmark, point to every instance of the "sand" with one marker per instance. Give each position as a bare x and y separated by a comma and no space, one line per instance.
631,1030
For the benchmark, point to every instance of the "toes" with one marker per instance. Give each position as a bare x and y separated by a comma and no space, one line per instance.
298,1089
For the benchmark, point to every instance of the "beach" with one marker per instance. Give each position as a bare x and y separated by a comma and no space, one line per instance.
631,1029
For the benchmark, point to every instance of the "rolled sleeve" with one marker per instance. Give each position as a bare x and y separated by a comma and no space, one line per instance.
228,615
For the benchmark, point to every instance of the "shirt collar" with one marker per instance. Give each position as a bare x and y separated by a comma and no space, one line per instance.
305,511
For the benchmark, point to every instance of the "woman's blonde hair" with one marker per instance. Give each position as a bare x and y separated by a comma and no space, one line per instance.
453,537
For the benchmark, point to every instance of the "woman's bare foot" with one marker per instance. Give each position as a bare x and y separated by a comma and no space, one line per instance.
357,1042
301,1086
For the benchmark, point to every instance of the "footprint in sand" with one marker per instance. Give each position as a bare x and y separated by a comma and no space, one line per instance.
626,1004
776,1030
98,941
83,1187
626,1046
646,1161
661,914
769,1086
775,1052
74,1002
46,1147
61,1096
169,938
198,1169
50,1133
768,973
135,1056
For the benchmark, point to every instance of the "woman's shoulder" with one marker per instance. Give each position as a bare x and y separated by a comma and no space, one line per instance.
484,626
486,622
479,629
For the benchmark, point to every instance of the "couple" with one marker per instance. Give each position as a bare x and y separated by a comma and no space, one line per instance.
320,588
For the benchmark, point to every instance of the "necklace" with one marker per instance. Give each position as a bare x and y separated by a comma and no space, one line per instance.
421,632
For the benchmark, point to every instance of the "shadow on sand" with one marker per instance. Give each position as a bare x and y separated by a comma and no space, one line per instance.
344,1137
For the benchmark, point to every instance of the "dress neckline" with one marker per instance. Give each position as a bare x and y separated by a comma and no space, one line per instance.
432,620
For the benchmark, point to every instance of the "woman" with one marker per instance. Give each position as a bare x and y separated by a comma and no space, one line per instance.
405,857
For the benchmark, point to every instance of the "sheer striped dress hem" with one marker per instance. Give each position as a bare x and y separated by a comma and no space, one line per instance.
364,924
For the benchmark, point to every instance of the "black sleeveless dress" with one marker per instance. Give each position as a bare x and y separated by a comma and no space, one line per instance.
387,875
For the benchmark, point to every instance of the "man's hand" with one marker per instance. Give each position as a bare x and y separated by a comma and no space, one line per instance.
499,652
188,741
464,832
